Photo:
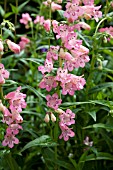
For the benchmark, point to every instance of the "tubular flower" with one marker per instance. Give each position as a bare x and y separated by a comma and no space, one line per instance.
13,47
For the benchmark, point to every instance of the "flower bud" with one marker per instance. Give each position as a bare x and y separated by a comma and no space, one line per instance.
1,46
13,47
49,1
60,111
84,25
53,118
46,119
1,106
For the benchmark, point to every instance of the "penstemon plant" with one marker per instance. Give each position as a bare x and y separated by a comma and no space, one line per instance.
12,103
68,120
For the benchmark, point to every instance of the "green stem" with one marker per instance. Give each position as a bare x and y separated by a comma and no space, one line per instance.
90,73
1,92
5,5
99,25
93,59
16,13
56,138
106,7
50,24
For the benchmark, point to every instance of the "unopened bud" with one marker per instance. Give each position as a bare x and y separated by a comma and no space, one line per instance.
1,106
105,40
46,119
60,111
3,24
13,47
53,118
49,1
1,46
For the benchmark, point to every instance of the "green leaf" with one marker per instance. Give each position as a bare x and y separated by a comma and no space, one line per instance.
99,125
82,160
100,102
14,9
74,164
49,157
75,103
34,60
100,87
9,83
10,162
85,41
92,114
8,14
61,13
2,12
43,141
99,156
108,140
22,5
109,52
34,91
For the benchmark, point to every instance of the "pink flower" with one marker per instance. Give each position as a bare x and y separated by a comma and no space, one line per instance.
10,140
71,41
66,132
25,19
16,99
55,7
73,11
55,26
39,19
13,129
48,66
68,87
13,47
92,11
24,41
53,53
86,141
61,75
53,101
63,30
16,117
48,82
65,55
4,74
67,118
7,116
73,83
47,25
88,2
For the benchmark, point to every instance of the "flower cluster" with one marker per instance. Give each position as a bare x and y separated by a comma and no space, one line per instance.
72,54
13,118
16,102
75,10
107,30
66,119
